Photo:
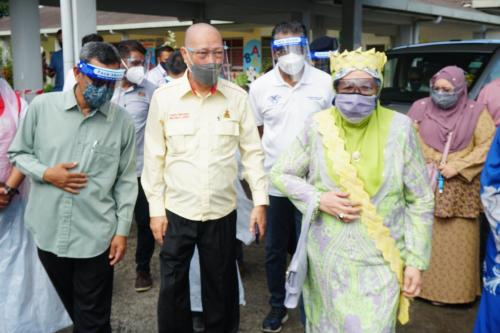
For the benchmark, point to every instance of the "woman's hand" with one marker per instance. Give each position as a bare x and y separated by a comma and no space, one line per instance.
448,171
338,204
4,198
412,282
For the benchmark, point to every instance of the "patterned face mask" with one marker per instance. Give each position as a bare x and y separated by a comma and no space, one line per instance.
96,96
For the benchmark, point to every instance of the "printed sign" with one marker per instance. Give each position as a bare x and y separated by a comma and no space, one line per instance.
252,56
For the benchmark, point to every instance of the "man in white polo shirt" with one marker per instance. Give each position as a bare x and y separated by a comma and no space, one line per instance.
282,100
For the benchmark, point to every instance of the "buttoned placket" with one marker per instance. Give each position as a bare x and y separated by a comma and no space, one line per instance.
64,226
206,142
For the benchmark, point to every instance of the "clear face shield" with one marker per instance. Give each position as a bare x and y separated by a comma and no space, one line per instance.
136,66
321,60
290,55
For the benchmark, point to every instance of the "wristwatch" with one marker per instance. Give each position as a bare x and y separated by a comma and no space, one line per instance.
10,191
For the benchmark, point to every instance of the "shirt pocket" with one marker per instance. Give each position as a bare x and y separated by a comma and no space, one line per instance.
227,135
180,136
104,161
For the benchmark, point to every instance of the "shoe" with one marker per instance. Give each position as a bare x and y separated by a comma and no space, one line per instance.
274,320
143,281
198,323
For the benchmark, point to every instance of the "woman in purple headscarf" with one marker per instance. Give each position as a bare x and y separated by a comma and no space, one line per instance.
453,275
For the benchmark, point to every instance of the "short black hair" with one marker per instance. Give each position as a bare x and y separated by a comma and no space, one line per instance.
103,52
175,64
292,27
92,38
164,48
127,46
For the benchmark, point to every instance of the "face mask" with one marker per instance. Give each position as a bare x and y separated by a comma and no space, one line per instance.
97,96
206,74
291,63
355,107
444,100
135,74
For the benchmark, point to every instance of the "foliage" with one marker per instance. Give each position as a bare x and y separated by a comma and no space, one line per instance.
242,80
170,39
4,8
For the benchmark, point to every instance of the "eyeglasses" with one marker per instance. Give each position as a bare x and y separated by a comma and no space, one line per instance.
365,87
217,53
133,62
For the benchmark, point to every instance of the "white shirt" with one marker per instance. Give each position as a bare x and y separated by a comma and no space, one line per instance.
157,76
69,80
135,100
283,109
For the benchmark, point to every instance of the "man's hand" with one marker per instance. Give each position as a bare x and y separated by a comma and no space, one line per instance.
338,204
4,198
158,225
412,282
258,217
117,249
60,177
448,171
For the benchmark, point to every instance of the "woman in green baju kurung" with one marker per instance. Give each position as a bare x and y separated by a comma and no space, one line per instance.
370,239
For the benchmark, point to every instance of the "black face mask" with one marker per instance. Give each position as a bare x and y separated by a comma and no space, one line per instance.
164,66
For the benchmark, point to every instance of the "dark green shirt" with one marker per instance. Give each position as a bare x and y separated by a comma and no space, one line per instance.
103,143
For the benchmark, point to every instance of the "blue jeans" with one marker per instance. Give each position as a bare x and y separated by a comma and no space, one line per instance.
282,234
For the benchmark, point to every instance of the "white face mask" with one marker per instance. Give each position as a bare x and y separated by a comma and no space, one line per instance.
291,63
135,74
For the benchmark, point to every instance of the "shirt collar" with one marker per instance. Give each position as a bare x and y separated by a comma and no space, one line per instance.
305,79
162,70
186,87
70,102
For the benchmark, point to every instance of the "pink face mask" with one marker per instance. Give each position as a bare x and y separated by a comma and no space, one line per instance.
355,107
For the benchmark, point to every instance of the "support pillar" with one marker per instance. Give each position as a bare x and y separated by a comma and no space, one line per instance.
27,66
78,18
352,24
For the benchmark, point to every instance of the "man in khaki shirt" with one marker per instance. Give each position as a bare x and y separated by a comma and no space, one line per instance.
194,127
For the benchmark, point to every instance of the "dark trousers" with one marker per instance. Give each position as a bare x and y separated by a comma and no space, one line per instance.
216,241
85,287
282,233
145,240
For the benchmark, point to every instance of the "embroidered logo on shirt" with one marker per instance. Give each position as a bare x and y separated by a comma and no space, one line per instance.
226,115
274,99
141,93
175,116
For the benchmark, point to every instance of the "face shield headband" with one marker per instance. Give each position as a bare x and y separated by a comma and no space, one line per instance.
100,73
285,45
321,55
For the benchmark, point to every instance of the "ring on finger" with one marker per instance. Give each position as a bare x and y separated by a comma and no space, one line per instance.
341,216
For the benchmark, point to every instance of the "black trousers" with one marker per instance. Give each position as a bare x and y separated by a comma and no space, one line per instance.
216,241
85,287
145,240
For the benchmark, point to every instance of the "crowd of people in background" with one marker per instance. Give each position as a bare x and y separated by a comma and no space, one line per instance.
391,203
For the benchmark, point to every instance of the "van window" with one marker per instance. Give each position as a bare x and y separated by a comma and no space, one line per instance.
407,76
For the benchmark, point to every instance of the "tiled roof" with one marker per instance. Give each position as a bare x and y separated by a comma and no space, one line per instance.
50,17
